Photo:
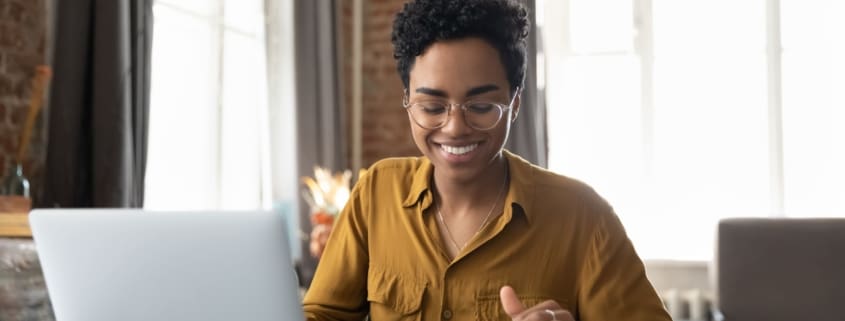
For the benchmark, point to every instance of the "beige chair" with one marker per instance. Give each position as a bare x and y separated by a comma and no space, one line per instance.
781,269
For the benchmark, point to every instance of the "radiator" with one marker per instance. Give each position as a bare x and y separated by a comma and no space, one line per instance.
688,304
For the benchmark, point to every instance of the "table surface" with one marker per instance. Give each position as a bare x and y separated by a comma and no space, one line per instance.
22,288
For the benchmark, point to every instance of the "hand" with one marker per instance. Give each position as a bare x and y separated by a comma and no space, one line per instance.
545,311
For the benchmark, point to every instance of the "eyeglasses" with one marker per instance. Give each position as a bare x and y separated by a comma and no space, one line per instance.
478,114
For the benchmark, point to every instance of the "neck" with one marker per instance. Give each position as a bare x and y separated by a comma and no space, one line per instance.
473,197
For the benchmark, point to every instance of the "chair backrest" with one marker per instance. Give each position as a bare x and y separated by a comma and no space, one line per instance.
781,269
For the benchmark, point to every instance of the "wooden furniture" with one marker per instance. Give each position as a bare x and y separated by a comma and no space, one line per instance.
23,293
14,225
14,216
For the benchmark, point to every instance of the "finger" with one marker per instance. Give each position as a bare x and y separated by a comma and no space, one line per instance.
538,312
564,315
542,306
510,302
559,315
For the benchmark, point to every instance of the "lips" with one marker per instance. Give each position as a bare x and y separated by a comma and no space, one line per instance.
459,150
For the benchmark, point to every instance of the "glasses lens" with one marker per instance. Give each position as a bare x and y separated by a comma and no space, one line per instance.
429,114
482,115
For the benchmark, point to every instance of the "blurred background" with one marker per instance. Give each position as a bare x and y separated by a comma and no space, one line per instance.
680,113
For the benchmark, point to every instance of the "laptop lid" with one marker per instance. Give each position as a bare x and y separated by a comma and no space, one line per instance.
106,265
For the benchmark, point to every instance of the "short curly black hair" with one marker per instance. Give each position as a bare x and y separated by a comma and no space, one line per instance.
502,23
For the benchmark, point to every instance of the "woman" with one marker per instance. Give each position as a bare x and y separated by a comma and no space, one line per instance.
470,231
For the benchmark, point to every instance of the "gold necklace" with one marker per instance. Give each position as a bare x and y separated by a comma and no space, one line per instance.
480,227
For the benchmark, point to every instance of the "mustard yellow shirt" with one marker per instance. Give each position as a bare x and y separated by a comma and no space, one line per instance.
556,239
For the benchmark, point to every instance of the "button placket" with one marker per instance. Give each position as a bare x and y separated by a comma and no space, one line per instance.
447,314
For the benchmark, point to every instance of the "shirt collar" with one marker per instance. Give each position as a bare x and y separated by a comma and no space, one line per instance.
421,182
521,189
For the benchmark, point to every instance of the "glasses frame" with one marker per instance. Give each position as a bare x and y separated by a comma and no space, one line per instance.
463,106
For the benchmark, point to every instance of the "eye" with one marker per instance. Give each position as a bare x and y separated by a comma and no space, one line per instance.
481,107
431,107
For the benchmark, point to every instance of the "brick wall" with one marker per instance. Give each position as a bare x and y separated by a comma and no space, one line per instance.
385,123
23,43
344,32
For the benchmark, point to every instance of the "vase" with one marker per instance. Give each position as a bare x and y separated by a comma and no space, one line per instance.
15,183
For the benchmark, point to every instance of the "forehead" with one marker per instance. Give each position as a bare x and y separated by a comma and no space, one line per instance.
455,66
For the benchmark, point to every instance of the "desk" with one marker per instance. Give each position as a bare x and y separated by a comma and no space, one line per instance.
23,294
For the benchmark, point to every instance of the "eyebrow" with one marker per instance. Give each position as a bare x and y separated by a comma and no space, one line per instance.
481,89
472,92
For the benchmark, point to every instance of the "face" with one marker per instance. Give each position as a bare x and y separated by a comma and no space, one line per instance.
457,71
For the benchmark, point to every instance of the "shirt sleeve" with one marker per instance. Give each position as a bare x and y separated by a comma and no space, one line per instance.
339,288
613,283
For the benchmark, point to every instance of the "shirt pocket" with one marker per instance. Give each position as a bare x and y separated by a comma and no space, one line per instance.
394,298
489,307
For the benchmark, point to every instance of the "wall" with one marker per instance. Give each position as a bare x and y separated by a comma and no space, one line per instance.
23,43
385,127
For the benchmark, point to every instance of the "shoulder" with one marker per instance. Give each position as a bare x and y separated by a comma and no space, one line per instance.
394,174
555,183
393,169
383,185
553,188
396,165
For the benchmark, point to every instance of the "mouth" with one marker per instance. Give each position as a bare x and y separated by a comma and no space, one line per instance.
459,150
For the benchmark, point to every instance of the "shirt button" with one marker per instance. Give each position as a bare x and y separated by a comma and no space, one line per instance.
447,314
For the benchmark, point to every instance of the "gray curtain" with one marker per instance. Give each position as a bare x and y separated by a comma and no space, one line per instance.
99,103
528,135
318,113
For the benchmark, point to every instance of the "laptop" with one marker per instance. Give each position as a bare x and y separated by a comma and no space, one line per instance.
106,265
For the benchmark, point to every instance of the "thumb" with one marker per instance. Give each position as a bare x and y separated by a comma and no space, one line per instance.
510,301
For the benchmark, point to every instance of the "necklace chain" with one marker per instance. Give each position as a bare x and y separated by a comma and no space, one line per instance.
480,227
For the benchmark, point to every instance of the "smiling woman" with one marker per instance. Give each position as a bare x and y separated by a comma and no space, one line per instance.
469,229
458,71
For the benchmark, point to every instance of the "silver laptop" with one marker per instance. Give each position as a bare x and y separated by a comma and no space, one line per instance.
107,265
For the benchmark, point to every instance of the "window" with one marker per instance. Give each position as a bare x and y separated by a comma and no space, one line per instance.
209,142
681,113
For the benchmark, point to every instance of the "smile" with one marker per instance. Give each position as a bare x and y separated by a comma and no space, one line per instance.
459,150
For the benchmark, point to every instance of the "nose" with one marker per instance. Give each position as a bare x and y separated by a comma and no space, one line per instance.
456,124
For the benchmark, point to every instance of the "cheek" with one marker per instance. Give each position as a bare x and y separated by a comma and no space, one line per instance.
413,126
418,134
503,130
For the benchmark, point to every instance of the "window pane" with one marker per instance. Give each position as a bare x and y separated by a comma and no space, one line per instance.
711,132
814,108
244,15
808,24
182,96
710,116
594,126
205,8
711,26
711,152
601,25
244,96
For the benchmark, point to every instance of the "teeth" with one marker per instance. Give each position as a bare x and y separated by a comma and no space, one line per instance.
459,150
